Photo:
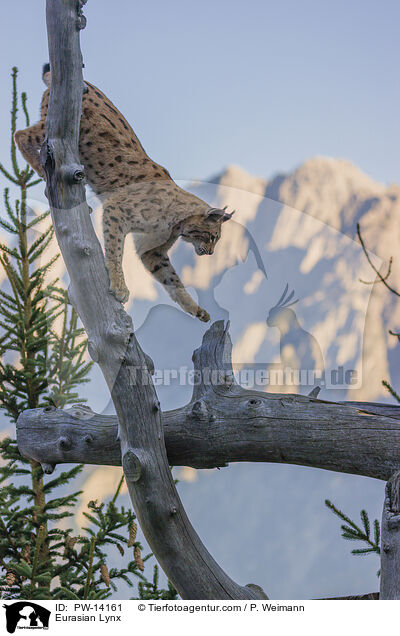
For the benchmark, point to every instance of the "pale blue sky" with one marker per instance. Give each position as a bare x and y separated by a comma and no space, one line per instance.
264,85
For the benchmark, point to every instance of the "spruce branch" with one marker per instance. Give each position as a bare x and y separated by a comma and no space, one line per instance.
352,532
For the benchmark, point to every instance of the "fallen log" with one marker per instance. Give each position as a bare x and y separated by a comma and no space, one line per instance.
225,423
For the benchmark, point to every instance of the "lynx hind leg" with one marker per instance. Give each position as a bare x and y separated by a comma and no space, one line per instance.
114,238
159,265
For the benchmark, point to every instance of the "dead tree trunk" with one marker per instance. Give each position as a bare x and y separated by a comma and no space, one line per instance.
112,342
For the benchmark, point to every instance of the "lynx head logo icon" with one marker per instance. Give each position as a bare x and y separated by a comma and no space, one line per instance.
26,614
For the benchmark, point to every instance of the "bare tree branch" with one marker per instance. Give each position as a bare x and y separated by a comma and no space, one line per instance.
382,279
225,423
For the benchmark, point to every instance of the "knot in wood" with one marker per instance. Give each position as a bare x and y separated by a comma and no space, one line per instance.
132,465
199,410
253,403
49,409
81,414
81,411
73,173
64,443
47,468
79,175
84,248
117,333
80,20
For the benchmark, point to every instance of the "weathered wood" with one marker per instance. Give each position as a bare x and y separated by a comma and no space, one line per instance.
111,339
372,596
224,423
390,541
375,408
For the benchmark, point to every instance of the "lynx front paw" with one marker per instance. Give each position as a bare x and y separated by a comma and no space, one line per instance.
117,283
203,315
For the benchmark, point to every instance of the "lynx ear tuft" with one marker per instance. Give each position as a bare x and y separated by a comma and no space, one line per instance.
227,216
218,214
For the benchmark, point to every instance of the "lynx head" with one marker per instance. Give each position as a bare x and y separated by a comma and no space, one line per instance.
46,74
204,231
